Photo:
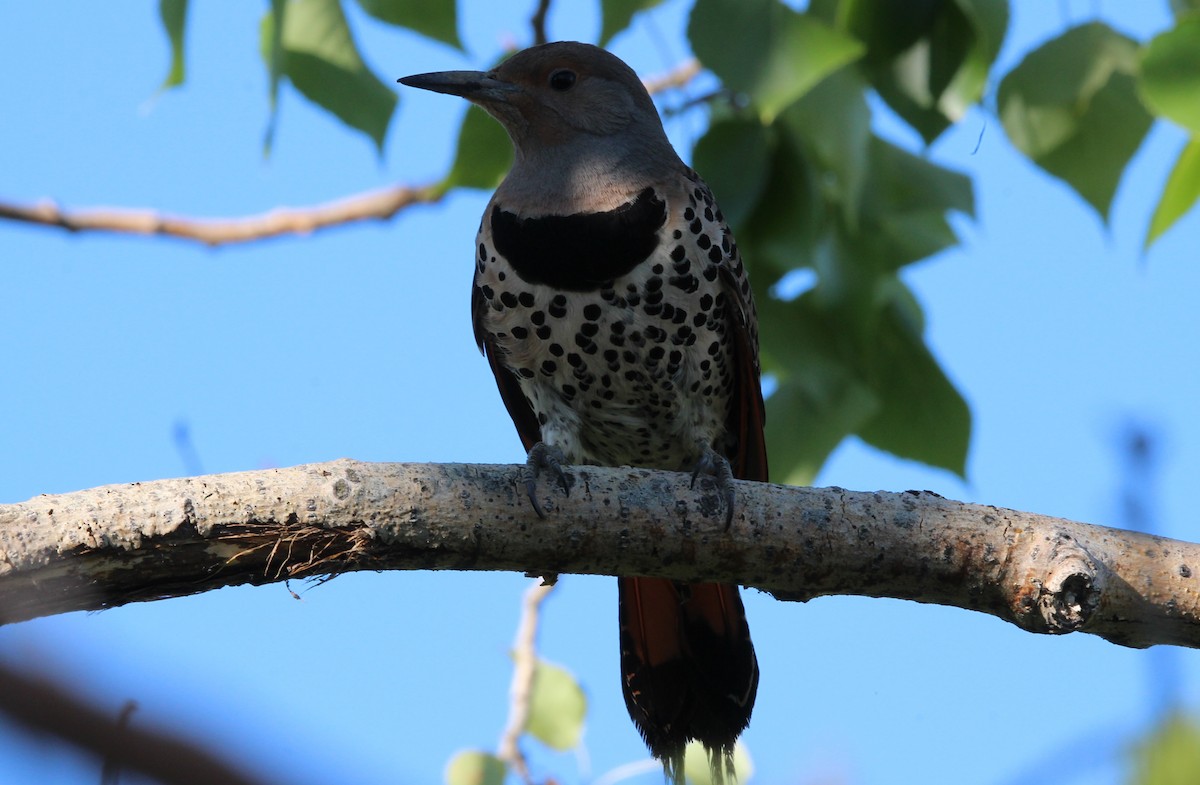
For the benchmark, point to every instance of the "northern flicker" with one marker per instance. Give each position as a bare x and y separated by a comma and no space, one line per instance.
614,310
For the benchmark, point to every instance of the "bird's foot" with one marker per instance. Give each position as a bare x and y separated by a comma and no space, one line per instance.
717,466
547,457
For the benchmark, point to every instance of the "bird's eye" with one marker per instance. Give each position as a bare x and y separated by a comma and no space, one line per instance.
562,80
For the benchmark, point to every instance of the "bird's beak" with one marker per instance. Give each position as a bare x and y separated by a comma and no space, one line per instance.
475,86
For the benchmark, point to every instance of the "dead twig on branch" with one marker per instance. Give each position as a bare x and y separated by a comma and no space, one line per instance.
124,543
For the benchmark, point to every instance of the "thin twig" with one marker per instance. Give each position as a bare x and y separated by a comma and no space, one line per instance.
678,76
524,666
539,22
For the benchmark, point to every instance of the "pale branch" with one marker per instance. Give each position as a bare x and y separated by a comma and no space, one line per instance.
524,655
380,204
116,544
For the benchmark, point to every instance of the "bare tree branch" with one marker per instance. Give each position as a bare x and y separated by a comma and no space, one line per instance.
42,706
372,205
382,204
524,656
124,543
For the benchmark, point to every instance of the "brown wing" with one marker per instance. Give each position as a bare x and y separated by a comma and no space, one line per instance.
518,406
747,414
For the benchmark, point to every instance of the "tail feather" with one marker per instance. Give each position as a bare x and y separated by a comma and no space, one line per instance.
688,668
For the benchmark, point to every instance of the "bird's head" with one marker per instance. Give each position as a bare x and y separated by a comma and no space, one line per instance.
559,94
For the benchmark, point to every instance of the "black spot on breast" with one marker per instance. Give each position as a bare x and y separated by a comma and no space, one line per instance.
581,252
591,312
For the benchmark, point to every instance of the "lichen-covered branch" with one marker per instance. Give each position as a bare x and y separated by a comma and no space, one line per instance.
124,543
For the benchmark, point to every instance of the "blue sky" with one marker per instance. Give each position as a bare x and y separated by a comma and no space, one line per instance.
357,343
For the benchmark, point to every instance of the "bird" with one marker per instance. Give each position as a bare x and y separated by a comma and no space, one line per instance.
612,305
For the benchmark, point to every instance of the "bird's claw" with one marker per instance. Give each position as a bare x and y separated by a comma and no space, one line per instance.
717,466
543,456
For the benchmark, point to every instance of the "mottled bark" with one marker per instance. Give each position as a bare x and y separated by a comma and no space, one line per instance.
123,543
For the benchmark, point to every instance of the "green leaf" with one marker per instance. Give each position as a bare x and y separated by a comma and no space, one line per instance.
556,707
436,19
1170,74
616,15
484,153
1181,192
699,770
782,231
733,157
174,19
1072,107
809,415
929,59
833,122
473,767
791,52
906,198
318,55
922,416
1184,7
271,46
820,398
1170,755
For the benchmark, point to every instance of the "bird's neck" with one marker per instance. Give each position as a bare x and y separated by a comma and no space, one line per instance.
589,178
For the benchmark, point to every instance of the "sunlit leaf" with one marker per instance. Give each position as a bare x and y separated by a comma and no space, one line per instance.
698,769
556,708
791,52
314,49
1170,74
733,157
1170,755
173,14
1072,107
473,767
616,14
437,19
1180,193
